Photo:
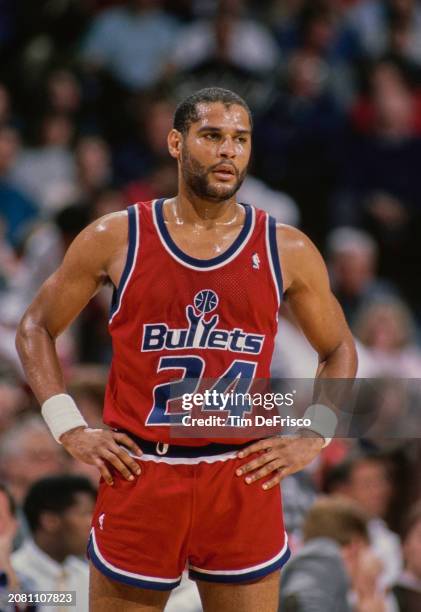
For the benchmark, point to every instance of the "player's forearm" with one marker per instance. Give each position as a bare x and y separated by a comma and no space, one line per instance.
37,352
334,380
342,362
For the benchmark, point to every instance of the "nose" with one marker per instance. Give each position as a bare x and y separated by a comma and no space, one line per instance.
227,148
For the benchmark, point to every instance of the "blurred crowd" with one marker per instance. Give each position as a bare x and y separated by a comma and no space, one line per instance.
87,93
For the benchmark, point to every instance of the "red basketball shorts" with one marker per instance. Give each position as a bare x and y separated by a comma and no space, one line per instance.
190,511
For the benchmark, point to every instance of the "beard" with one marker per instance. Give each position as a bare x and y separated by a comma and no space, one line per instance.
197,179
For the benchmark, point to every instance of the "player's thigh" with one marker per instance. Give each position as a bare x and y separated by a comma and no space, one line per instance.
106,595
261,595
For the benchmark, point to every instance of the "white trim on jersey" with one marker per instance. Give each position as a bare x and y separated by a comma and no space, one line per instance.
207,268
185,460
247,570
117,570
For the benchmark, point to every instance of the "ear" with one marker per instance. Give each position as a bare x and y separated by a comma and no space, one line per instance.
175,141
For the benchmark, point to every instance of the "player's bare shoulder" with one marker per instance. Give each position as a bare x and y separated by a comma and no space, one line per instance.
101,247
299,257
109,232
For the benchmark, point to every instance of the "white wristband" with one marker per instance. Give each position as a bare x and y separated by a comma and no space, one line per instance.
323,421
61,414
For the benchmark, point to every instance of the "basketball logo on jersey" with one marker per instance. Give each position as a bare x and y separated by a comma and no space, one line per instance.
256,261
201,333
206,301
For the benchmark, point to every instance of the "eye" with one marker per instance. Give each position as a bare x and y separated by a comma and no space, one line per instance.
242,139
212,136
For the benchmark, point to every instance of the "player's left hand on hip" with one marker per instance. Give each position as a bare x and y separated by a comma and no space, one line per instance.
279,457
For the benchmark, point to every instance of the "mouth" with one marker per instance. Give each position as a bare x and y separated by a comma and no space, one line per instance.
224,172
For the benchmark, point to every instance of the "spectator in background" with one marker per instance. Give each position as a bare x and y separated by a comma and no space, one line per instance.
304,98
137,155
365,479
293,356
295,134
386,329
369,114
279,205
352,262
287,16
10,580
58,510
334,561
378,172
63,92
106,202
372,21
162,179
17,211
94,168
6,113
408,586
299,492
227,49
27,453
385,159
230,36
9,263
318,30
387,411
144,159
13,401
46,172
41,255
133,42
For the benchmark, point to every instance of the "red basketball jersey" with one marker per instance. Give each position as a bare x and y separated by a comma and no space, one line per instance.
178,318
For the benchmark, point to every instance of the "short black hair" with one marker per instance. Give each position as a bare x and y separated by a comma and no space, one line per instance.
10,499
54,494
186,112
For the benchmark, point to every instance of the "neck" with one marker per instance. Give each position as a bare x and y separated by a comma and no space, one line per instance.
187,207
51,546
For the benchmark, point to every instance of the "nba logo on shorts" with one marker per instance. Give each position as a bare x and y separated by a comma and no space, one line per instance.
101,520
206,301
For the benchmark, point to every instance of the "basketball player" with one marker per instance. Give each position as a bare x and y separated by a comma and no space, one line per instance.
198,282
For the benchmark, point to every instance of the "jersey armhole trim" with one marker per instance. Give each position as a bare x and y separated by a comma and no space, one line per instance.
133,247
273,255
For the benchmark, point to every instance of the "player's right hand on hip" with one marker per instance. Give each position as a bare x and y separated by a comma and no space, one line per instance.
102,447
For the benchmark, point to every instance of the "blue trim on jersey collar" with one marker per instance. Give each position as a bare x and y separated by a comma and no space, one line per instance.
193,261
